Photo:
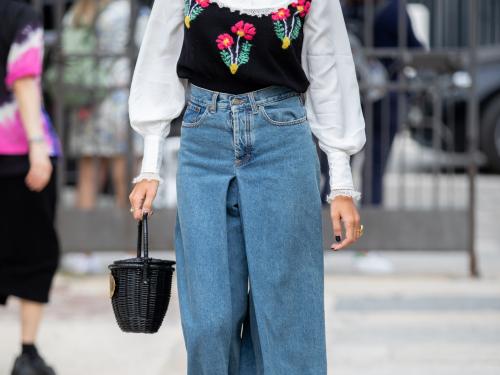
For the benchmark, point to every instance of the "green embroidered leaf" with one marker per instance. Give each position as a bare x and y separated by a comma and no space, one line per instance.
187,5
279,29
226,57
244,55
296,28
196,11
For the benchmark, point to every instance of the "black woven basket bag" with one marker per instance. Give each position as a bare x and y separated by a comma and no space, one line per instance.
140,287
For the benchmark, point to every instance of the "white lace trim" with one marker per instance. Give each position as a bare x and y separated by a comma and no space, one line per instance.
147,176
253,11
356,195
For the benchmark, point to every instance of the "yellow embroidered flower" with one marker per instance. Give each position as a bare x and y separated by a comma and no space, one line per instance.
286,42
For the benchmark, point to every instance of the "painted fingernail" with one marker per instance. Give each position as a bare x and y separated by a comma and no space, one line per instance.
338,239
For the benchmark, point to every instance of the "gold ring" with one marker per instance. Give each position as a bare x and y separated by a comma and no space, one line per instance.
132,209
360,230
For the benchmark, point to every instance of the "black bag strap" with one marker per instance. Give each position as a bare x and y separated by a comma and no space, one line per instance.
142,237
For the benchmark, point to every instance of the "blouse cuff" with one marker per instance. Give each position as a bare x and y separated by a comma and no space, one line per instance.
151,161
341,182
339,169
356,195
147,176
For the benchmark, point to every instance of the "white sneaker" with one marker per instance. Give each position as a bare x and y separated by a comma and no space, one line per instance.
372,262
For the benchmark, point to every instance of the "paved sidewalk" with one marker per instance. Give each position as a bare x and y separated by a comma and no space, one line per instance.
420,323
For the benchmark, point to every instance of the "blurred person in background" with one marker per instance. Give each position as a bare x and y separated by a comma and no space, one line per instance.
29,148
385,122
99,134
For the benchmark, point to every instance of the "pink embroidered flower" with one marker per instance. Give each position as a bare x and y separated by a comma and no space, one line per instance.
281,14
244,29
224,41
203,3
302,7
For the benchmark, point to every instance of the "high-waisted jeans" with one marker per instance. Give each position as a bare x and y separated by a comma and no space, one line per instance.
248,235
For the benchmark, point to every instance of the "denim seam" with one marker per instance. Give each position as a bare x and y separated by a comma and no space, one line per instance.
281,123
235,136
248,135
276,98
197,122
196,100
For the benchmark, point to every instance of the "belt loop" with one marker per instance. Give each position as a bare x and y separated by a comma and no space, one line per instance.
251,97
213,104
302,98
187,92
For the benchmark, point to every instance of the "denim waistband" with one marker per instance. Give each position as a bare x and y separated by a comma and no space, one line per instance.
215,99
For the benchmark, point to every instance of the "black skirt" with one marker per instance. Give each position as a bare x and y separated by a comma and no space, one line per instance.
29,248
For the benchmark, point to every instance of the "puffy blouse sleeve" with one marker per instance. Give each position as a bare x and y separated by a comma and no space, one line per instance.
157,94
332,99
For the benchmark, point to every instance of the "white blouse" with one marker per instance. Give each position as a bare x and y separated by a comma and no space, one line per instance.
332,99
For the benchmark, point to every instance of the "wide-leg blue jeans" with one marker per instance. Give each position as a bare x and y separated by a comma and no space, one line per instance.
248,235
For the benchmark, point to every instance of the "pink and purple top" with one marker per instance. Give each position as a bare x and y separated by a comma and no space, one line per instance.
21,55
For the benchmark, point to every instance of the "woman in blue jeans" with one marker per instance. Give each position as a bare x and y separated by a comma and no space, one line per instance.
257,80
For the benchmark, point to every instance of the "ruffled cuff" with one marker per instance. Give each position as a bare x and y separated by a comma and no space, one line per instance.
147,176
356,195
341,182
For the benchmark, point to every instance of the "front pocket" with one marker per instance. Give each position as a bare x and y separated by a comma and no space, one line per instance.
193,115
288,111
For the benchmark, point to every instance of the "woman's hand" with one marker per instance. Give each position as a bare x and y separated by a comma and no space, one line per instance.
342,208
40,167
142,196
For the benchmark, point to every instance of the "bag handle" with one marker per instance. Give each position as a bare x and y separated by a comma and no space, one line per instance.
142,237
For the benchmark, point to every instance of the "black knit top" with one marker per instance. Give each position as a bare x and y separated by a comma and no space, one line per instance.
259,50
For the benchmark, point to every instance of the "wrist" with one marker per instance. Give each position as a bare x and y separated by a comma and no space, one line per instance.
38,148
36,139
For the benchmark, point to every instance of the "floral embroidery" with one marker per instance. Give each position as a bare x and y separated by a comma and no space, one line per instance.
193,10
244,29
287,31
225,41
239,56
